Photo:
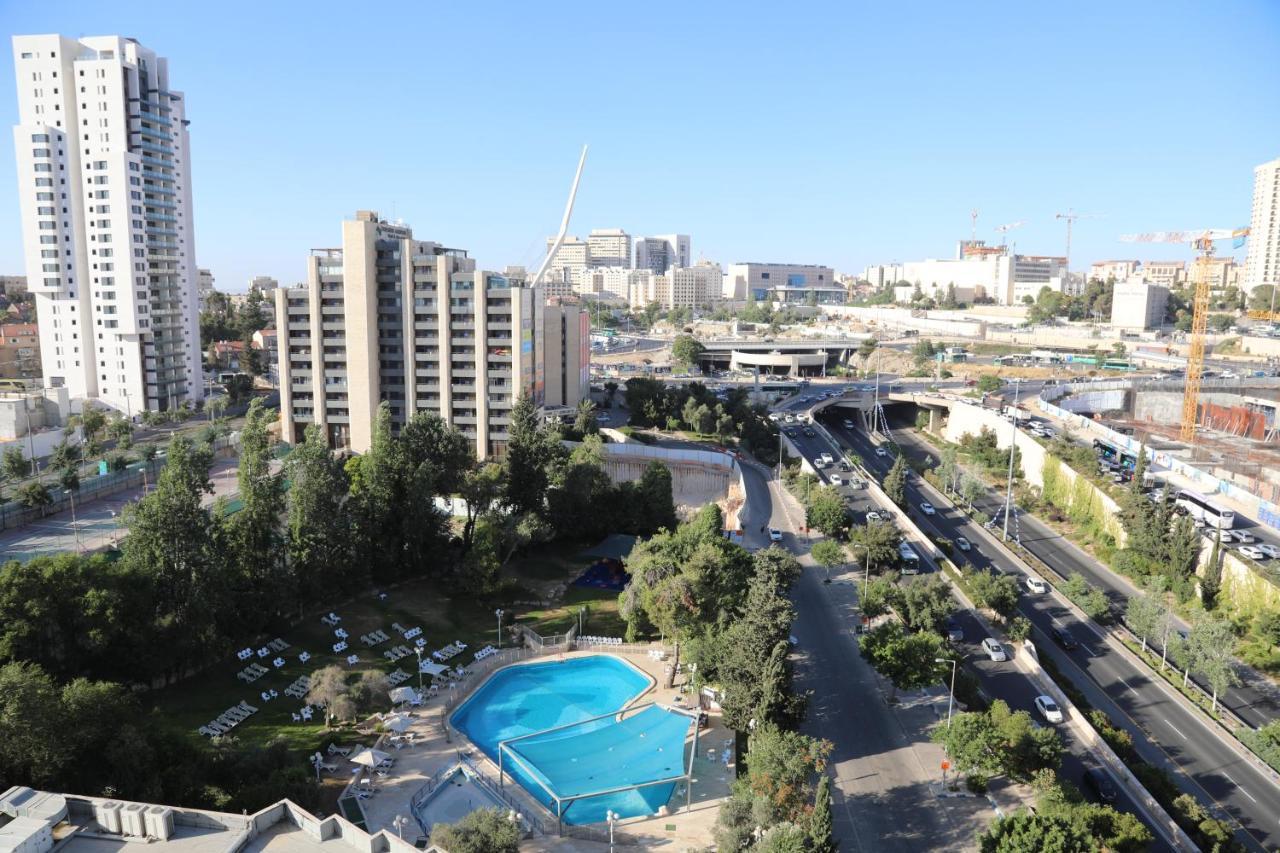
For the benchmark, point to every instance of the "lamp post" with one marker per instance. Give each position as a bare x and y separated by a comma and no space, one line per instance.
612,817
951,699
418,649
1013,444
498,613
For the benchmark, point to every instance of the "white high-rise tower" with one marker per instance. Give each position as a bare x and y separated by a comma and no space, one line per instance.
1262,258
104,180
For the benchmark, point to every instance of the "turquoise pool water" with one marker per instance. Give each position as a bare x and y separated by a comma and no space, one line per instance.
603,754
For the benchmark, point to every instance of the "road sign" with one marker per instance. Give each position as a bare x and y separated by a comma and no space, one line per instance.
946,765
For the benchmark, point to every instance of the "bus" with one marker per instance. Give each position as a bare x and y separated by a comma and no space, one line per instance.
1109,452
909,559
1118,364
1200,507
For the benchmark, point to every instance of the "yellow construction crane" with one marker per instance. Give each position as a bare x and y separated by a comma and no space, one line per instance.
1203,242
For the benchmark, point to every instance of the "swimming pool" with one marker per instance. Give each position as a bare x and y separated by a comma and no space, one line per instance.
587,756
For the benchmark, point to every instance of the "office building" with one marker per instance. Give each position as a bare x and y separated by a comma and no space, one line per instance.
758,281
697,286
664,252
105,192
387,317
1113,270
1165,273
609,247
13,285
1138,305
1262,258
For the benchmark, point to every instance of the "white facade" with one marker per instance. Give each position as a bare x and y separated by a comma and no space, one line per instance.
1117,270
105,191
1004,278
664,252
1137,304
609,247
1165,273
1262,260
755,280
265,283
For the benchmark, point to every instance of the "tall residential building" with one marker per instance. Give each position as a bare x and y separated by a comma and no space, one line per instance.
204,286
1117,270
389,317
608,247
1262,260
1165,273
105,188
664,252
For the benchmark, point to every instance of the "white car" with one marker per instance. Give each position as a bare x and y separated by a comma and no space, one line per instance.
927,508
1253,552
819,463
836,480
775,535
1036,585
848,424
880,451
874,516
1049,709
994,650
828,458
1270,550
963,544
1241,536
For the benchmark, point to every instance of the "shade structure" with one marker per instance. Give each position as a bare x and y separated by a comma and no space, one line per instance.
369,757
397,723
402,694
431,668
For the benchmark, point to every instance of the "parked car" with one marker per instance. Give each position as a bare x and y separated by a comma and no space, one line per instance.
1049,709
1063,637
775,535
1036,585
1253,552
963,544
1241,536
994,650
845,466
954,632
1099,782
819,463
874,515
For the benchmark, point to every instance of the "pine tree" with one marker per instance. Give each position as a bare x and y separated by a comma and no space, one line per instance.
821,839
895,482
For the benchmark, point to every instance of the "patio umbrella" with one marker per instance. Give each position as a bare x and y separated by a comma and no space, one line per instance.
402,694
397,724
369,757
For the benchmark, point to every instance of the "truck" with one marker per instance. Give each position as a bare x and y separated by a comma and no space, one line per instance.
1014,413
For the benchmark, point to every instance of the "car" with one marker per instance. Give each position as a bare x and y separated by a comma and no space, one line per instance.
927,508
847,424
819,463
1048,709
837,480
1270,550
1253,552
1036,585
994,650
603,417
874,515
880,451
1063,637
955,633
845,466
1241,536
827,458
1100,783
775,417
963,544
775,535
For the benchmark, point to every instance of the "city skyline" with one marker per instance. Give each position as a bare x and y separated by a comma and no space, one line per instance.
863,141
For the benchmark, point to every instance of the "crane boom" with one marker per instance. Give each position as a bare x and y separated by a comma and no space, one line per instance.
1208,234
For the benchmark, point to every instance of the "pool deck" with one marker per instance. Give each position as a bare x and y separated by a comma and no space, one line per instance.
417,763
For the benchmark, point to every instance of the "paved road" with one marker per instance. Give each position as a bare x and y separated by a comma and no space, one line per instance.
1165,732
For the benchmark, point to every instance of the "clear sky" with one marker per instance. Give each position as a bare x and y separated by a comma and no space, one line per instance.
845,133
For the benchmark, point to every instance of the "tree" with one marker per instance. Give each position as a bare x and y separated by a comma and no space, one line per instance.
876,543
329,690
1142,614
319,525
926,603
65,455
1267,626
35,495
880,595
482,488
949,468
652,506
998,592
907,660
821,834
531,451
1028,832
999,741
585,423
1182,551
686,350
825,511
481,831
14,464
866,348
972,489
827,553
1211,648
895,482
426,438
32,743
1019,629
989,382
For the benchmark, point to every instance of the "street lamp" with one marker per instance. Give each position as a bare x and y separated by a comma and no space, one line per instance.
400,823
516,819
612,817
951,700
418,649
498,613
1013,444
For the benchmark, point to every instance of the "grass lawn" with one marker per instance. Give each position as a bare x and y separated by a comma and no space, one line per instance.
197,700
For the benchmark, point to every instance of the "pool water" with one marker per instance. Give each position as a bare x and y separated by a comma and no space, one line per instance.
603,754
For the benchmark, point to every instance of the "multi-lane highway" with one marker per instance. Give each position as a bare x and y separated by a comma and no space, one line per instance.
1178,740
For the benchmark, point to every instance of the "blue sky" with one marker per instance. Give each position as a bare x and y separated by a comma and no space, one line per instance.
841,133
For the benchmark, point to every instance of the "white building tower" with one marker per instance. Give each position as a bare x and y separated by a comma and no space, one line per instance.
1262,258
104,181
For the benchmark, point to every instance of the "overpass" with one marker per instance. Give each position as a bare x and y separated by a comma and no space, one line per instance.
789,357
862,400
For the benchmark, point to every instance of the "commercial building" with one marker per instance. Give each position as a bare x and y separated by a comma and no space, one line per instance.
976,272
664,252
13,285
763,282
1262,258
1165,273
105,190
609,247
1138,305
20,353
1113,270
386,317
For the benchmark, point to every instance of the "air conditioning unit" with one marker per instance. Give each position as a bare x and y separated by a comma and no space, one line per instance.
160,822
133,820
107,814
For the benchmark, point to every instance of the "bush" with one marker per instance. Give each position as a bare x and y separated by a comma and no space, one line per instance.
1120,741
976,783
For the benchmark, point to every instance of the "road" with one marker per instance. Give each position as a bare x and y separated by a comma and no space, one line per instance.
1178,740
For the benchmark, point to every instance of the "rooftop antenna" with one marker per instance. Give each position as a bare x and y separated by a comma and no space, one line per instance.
973,224
564,223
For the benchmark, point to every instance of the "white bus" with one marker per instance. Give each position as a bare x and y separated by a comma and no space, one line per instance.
909,559
1198,506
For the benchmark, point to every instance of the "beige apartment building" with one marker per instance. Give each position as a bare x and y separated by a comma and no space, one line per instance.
386,317
1165,273
1116,270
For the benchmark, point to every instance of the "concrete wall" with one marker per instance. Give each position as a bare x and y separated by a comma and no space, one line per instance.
1254,345
901,318
1243,587
1096,401
1165,407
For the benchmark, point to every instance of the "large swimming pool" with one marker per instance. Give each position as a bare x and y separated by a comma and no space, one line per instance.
603,754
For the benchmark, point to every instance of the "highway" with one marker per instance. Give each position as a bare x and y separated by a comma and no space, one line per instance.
1133,698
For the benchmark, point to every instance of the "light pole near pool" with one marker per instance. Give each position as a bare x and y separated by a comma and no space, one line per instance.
612,817
498,613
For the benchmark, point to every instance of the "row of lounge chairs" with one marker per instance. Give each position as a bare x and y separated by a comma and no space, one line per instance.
397,678
397,652
228,719
252,673
452,650
374,638
601,641
485,652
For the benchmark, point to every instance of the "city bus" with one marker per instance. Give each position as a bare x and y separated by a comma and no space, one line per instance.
1108,451
908,558
1200,507
1118,364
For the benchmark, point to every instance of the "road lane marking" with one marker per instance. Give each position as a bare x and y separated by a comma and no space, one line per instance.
1130,689
1175,728
1227,776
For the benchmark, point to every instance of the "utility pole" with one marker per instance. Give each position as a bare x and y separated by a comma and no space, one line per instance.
1013,444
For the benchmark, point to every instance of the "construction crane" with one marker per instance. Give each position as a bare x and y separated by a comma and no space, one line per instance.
1071,216
1203,242
1005,229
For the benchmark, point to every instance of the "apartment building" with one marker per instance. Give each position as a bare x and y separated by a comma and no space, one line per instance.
1221,273
1262,258
387,317
609,247
663,252
20,352
1116,270
1165,273
104,186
